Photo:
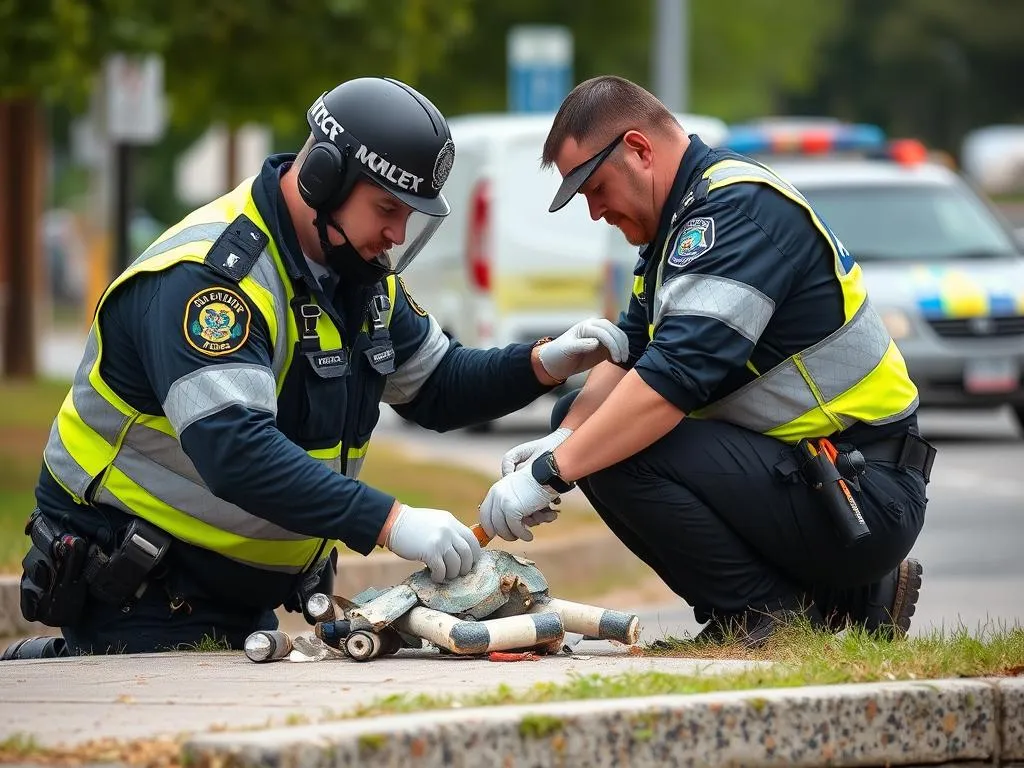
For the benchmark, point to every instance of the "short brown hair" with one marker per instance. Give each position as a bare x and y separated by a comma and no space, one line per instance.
601,108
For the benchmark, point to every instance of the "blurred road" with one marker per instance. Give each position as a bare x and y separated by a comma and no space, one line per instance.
972,546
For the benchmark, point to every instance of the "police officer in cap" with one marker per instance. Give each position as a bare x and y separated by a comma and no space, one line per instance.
759,447
205,462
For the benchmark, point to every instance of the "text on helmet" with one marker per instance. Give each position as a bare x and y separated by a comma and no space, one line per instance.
323,118
397,176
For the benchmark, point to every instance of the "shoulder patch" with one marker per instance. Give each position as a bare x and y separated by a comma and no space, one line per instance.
696,236
412,302
217,321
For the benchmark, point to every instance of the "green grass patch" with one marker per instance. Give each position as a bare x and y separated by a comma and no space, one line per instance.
207,644
798,656
18,745
27,411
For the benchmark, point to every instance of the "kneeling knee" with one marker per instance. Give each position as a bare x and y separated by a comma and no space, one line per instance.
561,408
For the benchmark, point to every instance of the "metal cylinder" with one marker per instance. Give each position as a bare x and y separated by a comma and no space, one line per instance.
363,645
592,621
475,637
321,607
267,645
333,632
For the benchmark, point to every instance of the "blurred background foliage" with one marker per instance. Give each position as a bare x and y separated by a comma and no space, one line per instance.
926,68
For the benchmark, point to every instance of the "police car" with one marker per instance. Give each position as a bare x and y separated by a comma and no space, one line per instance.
941,265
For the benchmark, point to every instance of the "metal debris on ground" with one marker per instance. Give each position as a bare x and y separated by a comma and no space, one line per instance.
500,608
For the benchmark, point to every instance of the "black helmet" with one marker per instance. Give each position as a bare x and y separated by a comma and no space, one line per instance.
385,131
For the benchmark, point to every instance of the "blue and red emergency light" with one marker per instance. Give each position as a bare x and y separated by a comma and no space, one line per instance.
861,138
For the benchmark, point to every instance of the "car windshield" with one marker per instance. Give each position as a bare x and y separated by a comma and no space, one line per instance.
910,222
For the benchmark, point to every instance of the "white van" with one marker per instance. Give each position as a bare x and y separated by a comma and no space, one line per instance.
502,269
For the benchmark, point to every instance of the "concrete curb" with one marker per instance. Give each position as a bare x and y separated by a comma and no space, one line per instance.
908,723
582,557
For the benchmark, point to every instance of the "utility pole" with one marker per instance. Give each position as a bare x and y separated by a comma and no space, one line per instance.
21,208
670,54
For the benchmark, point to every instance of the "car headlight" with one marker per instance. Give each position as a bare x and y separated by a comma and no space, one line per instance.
897,322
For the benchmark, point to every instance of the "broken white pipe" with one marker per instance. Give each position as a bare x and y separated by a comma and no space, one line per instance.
468,637
592,621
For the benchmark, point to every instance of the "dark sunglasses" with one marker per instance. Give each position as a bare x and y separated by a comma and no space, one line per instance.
578,176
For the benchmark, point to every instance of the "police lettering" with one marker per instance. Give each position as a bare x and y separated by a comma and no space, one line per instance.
323,118
397,176
329,360
382,356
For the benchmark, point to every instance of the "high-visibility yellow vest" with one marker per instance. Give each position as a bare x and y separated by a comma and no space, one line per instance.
102,450
856,374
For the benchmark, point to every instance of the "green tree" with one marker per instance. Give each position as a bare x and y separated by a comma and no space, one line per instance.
742,60
927,68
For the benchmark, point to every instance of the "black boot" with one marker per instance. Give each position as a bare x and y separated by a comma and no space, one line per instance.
36,648
893,600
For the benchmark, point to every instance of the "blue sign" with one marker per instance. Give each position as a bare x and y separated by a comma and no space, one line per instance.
539,68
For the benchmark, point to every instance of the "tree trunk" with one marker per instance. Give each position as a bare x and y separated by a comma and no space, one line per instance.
21,209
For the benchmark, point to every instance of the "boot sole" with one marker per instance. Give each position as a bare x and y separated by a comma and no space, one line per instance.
908,590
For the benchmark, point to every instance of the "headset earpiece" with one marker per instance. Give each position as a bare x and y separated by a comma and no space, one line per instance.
322,175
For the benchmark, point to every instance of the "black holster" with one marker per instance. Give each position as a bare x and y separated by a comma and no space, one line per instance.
54,589
62,570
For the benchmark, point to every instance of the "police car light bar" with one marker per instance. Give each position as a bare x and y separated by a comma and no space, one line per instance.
840,138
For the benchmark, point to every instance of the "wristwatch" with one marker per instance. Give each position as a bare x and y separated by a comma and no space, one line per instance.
545,472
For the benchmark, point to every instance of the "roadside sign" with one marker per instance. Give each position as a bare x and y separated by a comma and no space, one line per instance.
135,98
539,67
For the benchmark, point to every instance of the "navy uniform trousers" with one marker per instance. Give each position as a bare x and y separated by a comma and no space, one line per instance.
708,509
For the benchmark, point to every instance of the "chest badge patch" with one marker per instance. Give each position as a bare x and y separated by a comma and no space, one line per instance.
217,321
696,237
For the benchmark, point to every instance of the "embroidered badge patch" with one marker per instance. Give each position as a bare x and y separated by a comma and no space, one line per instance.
696,237
412,302
217,321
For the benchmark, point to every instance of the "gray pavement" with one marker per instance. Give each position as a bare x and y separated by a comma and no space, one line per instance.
69,701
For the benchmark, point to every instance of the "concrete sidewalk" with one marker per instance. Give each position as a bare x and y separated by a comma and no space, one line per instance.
226,710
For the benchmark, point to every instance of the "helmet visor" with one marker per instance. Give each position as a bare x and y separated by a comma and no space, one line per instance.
419,228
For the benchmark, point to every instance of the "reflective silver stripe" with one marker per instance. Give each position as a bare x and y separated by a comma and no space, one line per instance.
97,413
196,233
740,306
404,384
265,273
106,497
152,461
213,388
836,364
847,355
63,465
354,466
333,464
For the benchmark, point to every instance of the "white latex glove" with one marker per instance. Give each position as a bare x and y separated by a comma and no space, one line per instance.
511,501
527,452
582,347
436,538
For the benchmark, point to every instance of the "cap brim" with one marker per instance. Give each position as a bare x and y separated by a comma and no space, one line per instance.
575,179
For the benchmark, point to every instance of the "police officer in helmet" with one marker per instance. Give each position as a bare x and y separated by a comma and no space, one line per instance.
204,466
759,448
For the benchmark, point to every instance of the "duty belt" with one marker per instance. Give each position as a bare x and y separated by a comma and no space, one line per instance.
905,451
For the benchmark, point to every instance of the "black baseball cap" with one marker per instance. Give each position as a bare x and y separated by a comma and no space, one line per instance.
578,176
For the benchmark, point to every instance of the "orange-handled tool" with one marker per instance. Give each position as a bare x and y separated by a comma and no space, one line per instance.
481,535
